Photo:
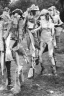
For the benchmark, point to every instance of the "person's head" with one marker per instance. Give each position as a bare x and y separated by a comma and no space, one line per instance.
34,10
6,9
42,17
16,15
52,10
44,14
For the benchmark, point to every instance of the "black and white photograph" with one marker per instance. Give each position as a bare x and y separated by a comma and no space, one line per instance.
31,47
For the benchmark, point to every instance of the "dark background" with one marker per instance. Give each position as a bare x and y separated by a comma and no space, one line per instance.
23,4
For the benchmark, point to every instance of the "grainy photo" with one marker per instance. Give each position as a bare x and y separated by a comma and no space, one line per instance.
31,47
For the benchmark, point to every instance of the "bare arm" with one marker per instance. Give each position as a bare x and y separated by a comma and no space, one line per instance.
37,29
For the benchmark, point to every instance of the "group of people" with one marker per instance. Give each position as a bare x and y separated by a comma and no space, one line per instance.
41,29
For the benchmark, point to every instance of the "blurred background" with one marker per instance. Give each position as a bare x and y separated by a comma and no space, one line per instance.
24,4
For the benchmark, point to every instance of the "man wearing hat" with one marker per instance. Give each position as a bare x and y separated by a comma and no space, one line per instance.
35,13
31,22
46,37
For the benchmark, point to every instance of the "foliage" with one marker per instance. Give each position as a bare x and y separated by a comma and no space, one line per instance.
4,3
23,4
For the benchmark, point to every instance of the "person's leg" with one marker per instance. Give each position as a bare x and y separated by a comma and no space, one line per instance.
58,41
42,47
32,50
54,42
19,71
32,40
28,41
51,51
18,78
2,62
8,67
32,68
58,32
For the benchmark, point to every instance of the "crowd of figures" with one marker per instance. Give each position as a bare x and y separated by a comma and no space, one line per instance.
41,29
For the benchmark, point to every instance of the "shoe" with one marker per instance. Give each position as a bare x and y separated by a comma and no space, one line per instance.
2,87
31,73
42,69
54,70
9,87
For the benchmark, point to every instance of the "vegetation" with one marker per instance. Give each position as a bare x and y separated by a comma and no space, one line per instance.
23,4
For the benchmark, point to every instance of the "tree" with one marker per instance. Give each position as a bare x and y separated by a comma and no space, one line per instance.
4,3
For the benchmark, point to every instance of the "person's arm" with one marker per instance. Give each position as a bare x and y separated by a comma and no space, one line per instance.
37,29
59,22
24,21
52,29
7,32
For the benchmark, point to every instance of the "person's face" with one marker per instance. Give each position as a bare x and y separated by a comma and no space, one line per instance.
54,12
51,12
42,17
8,11
37,13
33,12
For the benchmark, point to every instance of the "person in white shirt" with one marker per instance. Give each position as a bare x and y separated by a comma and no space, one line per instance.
47,36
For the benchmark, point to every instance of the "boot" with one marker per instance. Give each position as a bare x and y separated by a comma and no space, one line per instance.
31,73
54,70
42,68
37,61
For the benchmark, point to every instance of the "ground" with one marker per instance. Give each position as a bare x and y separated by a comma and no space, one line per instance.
42,85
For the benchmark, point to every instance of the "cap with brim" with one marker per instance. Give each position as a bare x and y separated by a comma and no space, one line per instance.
43,12
19,11
51,8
